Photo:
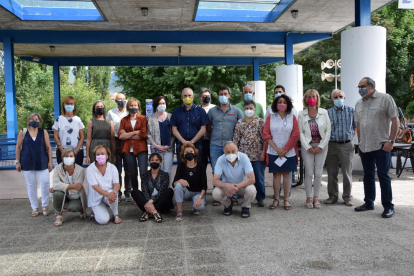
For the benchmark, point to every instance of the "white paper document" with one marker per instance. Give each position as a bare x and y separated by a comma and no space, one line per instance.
280,161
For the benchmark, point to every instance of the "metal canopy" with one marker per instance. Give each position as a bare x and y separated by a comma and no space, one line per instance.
169,24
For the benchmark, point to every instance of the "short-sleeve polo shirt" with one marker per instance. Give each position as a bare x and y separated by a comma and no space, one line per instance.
223,124
236,174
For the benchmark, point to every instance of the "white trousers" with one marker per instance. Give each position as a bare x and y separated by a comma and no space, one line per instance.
31,182
313,169
101,212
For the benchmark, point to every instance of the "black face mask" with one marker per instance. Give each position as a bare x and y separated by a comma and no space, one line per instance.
189,156
154,165
34,124
207,100
100,111
133,110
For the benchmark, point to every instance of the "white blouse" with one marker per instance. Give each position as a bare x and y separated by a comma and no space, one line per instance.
281,130
106,182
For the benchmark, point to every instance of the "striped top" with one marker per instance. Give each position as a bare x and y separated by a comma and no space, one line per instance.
342,123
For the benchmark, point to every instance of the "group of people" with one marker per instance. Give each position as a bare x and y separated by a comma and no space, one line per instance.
239,141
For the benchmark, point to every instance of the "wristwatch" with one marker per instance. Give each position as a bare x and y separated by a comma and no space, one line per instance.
16,161
391,141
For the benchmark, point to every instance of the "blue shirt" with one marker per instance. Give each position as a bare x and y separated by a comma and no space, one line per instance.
342,123
165,133
236,174
223,124
189,122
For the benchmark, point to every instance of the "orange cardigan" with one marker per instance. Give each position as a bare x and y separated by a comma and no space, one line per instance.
137,145
293,141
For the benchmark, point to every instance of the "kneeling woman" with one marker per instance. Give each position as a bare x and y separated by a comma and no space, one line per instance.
67,186
156,196
103,186
190,181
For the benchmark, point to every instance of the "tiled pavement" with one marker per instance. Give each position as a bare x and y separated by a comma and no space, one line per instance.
334,240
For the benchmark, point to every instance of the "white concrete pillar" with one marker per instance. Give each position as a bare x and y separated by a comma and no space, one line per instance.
260,92
291,77
363,54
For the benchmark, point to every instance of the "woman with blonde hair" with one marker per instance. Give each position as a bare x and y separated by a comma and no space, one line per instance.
68,179
315,131
69,131
34,156
104,186
133,133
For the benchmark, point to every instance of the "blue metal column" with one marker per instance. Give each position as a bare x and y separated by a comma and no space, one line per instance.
10,87
289,49
256,76
362,13
56,89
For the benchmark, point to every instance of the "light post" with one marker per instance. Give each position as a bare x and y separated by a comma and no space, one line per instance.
328,76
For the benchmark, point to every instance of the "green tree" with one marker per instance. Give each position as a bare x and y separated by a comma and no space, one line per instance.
97,76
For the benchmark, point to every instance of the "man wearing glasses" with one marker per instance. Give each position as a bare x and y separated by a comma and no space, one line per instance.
115,115
341,148
375,113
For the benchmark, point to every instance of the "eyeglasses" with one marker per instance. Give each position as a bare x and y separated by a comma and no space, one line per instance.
362,86
338,97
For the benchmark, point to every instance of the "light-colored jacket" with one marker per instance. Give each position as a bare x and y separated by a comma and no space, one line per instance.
324,126
153,129
78,176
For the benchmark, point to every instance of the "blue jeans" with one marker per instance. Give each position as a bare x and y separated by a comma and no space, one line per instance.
382,160
182,193
197,144
259,171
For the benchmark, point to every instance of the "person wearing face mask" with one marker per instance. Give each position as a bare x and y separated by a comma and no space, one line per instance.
281,132
159,134
205,100
69,131
223,120
248,95
103,186
133,133
156,195
190,181
34,156
115,115
341,148
68,179
248,136
100,131
278,91
377,120
234,175
188,123
315,132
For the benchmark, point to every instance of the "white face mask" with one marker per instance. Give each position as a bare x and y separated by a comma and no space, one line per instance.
249,113
68,160
231,157
161,107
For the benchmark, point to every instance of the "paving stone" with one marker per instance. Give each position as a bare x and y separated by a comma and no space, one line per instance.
120,263
125,247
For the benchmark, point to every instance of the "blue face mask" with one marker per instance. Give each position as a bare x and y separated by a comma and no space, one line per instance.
223,99
34,124
69,108
248,97
339,103
278,95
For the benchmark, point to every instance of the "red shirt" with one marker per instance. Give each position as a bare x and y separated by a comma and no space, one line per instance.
137,145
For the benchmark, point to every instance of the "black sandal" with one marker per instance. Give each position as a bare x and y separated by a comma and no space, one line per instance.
157,217
144,217
234,201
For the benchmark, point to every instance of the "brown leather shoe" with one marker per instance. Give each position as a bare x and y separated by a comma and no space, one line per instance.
330,200
349,202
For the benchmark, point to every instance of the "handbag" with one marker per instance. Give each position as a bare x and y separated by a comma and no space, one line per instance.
404,134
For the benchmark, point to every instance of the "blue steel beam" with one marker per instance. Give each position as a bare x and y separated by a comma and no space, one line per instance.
10,87
256,75
362,13
289,49
156,37
155,61
56,89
